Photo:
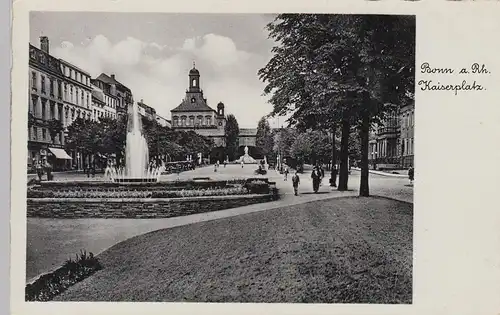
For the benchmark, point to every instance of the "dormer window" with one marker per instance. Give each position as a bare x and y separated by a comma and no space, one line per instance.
193,100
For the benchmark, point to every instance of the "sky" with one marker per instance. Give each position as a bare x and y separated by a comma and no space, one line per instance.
152,53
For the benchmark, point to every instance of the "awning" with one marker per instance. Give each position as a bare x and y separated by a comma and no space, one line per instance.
60,154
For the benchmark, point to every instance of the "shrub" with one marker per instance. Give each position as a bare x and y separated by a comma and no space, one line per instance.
49,285
256,187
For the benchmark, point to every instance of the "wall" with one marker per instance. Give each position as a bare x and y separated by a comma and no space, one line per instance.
138,208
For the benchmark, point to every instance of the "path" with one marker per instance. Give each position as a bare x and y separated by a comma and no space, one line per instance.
52,241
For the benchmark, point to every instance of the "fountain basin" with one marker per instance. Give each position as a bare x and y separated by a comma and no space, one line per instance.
135,180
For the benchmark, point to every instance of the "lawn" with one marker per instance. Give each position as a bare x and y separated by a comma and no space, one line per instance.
346,250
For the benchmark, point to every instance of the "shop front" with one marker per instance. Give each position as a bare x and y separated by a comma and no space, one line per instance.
59,159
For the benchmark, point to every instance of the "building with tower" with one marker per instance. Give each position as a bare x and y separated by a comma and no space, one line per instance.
194,113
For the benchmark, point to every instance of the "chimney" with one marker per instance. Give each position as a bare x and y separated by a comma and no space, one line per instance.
44,44
113,76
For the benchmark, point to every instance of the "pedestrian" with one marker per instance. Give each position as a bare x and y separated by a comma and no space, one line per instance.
295,183
333,180
93,170
225,162
39,170
215,168
88,170
286,173
316,178
48,170
217,163
242,164
411,174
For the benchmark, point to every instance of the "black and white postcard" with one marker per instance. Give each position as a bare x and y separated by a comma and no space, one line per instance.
261,158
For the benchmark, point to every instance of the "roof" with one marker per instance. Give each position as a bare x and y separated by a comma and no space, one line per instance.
194,71
185,106
248,132
109,80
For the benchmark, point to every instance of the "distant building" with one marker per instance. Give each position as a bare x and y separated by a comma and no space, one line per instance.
119,95
146,111
103,106
407,116
59,91
195,114
391,142
163,122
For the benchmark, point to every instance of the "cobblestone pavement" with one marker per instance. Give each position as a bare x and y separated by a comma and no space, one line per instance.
52,241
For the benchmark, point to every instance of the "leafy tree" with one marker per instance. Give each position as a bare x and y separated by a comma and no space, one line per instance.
55,127
264,138
301,149
340,69
231,132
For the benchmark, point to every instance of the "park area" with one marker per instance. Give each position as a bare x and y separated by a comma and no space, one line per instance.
325,248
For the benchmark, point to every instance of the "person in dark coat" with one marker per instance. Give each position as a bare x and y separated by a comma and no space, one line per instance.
316,178
333,180
295,183
411,174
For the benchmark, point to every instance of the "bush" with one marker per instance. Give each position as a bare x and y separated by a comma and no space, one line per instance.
52,284
257,187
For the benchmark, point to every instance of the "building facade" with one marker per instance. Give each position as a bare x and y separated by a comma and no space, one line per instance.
59,93
146,111
407,135
391,142
103,106
194,113
117,95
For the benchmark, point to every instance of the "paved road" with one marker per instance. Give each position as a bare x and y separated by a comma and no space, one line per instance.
52,241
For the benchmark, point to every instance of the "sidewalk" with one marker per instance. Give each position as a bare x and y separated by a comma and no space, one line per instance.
384,173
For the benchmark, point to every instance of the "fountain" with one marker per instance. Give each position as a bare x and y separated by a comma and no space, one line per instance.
136,155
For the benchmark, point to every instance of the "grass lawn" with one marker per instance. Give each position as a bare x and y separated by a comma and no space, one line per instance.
346,250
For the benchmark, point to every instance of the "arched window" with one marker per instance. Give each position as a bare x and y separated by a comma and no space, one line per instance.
194,82
176,121
191,120
209,120
183,121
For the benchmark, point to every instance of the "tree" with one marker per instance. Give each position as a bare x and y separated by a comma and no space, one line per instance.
301,149
348,70
231,132
264,137
55,127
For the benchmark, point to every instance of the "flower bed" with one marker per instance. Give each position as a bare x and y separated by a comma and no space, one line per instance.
237,190
49,285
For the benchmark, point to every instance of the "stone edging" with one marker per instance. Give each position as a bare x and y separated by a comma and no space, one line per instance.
143,200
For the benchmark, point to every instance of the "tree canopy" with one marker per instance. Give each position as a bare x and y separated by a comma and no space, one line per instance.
232,131
264,137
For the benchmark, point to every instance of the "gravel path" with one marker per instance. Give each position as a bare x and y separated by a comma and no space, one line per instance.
346,250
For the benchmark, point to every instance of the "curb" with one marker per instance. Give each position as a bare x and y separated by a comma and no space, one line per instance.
382,173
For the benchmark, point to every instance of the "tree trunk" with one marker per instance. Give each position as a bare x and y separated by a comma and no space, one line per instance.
364,190
344,156
333,176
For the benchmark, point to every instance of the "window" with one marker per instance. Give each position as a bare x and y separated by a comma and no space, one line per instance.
83,99
209,121
33,80
35,133
71,94
51,85
183,121
88,100
43,110
44,134
193,100
191,121
59,90
43,84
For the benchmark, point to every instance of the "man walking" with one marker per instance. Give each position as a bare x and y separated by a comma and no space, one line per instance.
411,173
286,173
316,178
296,182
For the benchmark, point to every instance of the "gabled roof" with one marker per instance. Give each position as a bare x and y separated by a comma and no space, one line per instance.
109,80
185,106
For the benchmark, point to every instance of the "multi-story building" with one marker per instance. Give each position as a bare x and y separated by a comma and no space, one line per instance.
163,122
391,142
116,94
103,106
146,111
59,93
194,113
407,135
